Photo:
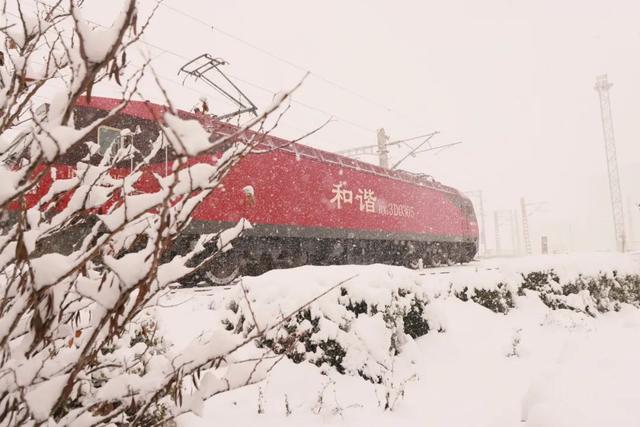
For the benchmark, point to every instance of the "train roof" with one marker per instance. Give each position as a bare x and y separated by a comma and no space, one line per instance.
149,111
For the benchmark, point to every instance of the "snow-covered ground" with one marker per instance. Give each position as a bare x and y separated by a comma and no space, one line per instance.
530,367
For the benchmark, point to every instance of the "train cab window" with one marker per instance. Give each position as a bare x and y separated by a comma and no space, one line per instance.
107,136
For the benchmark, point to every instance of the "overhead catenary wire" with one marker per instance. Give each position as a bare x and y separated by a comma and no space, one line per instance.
264,89
274,56
200,91
281,59
254,85
333,116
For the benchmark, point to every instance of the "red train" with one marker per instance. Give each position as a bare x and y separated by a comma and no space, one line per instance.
306,206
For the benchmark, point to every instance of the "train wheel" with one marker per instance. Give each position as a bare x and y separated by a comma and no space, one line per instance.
223,271
222,278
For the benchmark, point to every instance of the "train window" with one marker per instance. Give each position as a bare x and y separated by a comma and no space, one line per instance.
19,151
106,137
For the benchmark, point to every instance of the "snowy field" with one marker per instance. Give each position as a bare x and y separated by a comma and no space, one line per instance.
532,366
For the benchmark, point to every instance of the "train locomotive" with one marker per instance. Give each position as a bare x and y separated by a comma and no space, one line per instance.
306,206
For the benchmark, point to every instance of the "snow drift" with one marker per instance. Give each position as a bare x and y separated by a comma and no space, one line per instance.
495,343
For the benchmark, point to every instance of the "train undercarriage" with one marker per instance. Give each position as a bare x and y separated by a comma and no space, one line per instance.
252,256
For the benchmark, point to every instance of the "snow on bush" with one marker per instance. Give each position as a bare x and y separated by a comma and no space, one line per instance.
606,291
358,327
592,284
361,326
499,299
353,347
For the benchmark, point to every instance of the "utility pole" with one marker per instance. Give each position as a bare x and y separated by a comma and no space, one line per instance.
602,86
525,227
383,151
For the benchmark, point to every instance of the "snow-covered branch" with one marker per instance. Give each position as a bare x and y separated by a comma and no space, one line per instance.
84,251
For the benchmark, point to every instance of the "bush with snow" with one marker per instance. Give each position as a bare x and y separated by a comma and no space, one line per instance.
498,299
362,326
594,293
354,329
600,293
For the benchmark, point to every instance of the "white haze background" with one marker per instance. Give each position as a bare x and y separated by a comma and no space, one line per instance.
511,79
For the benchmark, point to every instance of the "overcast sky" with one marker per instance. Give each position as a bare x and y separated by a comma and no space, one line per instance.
511,79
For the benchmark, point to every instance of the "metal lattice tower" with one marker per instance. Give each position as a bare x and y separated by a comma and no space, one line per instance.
602,87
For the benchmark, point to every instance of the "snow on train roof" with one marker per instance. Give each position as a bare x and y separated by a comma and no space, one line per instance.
149,111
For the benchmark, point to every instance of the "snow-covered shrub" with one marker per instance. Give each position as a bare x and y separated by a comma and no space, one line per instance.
498,299
352,329
625,289
539,281
413,320
590,294
607,290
